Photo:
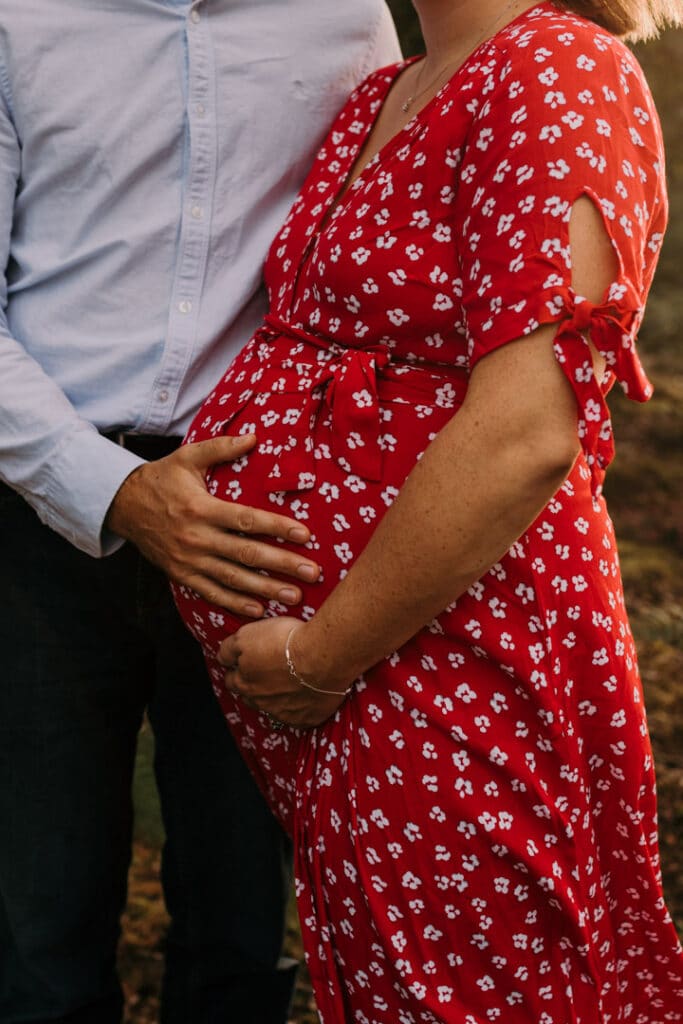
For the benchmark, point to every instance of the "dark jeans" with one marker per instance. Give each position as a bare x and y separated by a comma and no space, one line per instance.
85,646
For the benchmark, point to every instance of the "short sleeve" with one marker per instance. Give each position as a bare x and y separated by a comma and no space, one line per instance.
564,112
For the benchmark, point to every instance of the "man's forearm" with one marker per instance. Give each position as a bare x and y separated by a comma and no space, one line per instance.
59,462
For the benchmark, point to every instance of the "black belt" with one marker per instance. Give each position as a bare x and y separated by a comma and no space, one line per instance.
148,446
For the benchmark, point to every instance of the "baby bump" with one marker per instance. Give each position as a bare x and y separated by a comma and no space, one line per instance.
332,452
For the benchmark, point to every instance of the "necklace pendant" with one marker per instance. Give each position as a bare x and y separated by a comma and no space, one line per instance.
405,107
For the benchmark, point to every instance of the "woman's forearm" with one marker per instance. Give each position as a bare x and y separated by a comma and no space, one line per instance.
479,485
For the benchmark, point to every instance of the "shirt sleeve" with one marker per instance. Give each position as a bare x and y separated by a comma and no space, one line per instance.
56,460
557,122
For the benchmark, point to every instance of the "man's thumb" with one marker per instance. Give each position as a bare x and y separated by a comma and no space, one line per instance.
219,449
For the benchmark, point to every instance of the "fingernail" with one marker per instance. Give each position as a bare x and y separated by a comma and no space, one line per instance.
255,610
307,571
298,534
288,595
243,438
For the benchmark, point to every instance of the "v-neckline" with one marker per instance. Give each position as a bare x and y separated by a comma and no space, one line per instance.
339,197
348,184
348,187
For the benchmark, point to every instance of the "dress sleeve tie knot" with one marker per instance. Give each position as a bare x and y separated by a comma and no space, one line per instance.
611,328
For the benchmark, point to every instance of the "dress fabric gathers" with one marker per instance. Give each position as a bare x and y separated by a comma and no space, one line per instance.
475,830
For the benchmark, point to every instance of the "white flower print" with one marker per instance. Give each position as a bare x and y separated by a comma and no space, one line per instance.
397,317
508,677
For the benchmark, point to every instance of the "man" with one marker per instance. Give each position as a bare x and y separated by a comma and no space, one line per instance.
148,151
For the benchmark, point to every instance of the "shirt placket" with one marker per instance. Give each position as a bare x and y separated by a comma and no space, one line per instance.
193,244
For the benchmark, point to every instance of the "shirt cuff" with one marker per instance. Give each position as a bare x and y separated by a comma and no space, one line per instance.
84,474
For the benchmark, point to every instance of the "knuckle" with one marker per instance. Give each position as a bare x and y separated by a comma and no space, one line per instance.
248,554
194,506
230,576
225,655
176,457
246,520
179,572
178,577
189,538
223,600
251,608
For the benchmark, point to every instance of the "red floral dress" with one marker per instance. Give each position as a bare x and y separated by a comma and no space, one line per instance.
475,830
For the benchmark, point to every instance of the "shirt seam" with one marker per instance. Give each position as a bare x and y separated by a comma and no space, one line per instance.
6,87
367,64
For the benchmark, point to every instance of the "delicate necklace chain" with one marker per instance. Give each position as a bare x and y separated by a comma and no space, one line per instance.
405,107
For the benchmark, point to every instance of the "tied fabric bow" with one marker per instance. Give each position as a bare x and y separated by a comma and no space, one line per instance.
349,380
611,330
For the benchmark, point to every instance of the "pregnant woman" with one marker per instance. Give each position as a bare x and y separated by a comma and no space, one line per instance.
453,727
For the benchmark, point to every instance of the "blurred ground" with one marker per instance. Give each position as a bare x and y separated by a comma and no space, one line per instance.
645,491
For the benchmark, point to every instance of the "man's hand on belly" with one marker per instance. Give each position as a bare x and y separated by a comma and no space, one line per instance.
204,543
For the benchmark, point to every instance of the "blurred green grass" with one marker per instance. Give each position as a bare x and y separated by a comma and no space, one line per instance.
149,829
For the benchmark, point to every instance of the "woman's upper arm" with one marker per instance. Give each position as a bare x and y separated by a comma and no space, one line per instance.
560,207
523,377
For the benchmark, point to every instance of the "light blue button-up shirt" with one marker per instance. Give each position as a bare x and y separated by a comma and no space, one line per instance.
149,150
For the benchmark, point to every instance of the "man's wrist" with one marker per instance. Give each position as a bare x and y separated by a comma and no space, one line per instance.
117,518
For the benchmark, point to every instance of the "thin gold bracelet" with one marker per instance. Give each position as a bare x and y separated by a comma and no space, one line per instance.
302,682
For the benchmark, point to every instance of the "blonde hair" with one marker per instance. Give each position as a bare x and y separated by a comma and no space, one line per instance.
631,19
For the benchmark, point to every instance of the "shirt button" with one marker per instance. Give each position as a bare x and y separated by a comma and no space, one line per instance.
197,212
185,306
195,15
200,109
163,396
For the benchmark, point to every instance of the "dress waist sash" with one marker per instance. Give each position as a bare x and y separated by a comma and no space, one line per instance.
350,383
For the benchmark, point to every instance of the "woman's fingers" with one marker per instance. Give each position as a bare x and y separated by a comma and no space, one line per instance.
297,715
256,672
229,652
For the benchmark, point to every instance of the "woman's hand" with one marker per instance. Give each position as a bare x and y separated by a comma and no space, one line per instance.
256,670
